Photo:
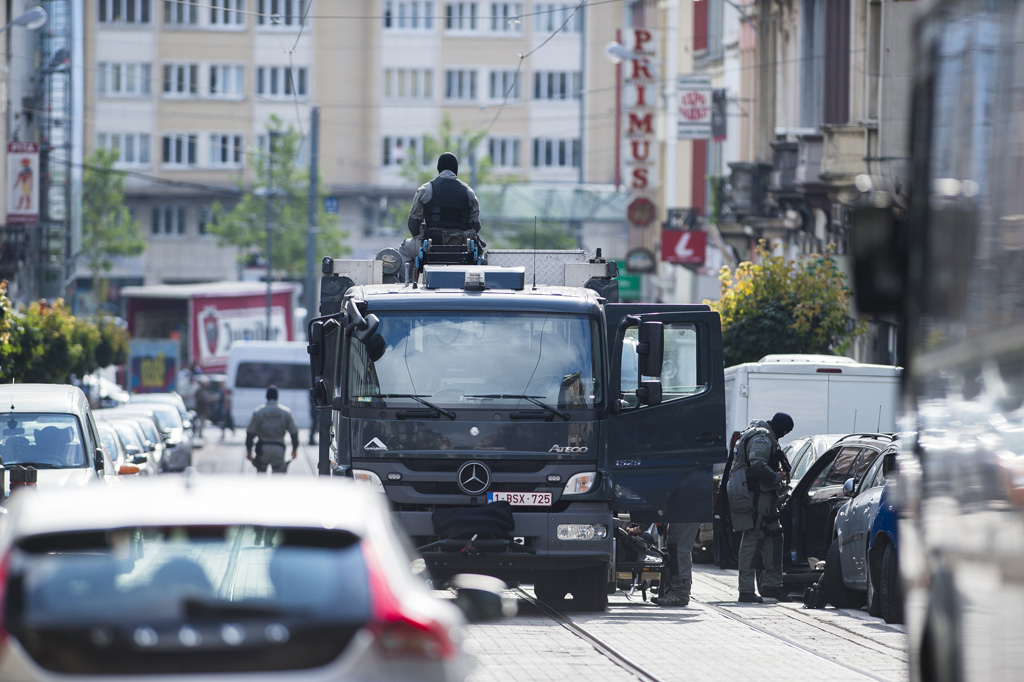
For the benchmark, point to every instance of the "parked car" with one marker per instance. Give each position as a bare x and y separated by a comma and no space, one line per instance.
103,392
862,564
808,517
804,451
177,455
138,447
177,577
186,414
150,438
125,460
51,428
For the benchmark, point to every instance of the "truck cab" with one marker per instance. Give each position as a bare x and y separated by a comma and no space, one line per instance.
495,415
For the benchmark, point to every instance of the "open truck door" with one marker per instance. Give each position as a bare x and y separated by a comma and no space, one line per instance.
667,422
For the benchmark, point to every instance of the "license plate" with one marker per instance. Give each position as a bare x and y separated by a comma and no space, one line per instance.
521,499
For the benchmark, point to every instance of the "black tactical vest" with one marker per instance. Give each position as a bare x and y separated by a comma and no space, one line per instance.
448,207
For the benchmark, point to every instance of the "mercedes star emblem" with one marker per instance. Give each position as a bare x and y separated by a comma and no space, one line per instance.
474,478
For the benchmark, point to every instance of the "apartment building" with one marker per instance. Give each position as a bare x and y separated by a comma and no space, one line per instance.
185,91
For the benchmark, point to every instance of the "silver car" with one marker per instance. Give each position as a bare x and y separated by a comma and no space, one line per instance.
222,577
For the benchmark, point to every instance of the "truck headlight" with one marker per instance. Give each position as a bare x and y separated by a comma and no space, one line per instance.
580,483
582,531
368,478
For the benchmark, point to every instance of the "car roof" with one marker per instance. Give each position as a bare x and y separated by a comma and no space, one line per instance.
49,398
195,499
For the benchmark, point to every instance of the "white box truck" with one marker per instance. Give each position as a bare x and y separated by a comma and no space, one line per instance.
823,394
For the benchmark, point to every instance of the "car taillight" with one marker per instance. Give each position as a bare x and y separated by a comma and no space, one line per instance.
397,632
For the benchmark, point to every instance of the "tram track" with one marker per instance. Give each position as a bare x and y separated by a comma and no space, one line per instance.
758,624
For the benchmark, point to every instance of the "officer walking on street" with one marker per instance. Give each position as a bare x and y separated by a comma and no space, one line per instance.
268,426
758,477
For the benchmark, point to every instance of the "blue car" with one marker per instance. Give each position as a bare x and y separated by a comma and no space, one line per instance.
862,564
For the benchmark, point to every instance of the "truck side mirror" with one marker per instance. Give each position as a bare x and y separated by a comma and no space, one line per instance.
651,349
649,392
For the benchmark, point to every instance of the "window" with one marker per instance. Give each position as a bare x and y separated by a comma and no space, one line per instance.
504,151
460,84
180,13
227,81
460,16
181,80
506,17
205,219
227,13
123,79
557,84
134,147
413,15
170,220
840,469
409,84
179,149
504,83
397,149
226,150
549,17
548,153
279,81
281,12
123,11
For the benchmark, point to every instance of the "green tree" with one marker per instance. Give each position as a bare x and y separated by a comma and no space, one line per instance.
245,224
783,306
9,347
108,229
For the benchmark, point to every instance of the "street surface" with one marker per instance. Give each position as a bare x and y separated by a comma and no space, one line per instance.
714,638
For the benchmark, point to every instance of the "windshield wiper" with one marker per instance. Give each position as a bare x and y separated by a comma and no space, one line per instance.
417,398
532,398
34,465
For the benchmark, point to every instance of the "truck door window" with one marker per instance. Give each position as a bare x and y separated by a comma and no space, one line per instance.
680,372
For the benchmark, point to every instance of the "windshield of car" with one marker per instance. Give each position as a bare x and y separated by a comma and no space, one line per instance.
488,360
46,441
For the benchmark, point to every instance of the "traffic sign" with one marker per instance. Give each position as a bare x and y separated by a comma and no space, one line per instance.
686,247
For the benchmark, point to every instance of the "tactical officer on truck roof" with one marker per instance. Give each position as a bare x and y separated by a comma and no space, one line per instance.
446,206
757,481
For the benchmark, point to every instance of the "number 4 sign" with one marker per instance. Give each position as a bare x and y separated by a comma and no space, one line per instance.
686,247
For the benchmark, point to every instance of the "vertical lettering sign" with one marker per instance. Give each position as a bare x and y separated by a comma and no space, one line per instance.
694,107
22,183
639,107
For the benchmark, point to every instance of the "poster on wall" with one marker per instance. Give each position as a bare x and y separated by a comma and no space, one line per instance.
153,365
22,183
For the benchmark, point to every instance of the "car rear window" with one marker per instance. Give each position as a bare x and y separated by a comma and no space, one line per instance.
231,588
286,376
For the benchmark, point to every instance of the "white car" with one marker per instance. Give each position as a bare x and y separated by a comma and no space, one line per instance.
50,428
222,577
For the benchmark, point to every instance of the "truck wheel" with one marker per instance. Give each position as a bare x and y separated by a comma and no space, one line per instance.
551,590
837,594
589,591
891,593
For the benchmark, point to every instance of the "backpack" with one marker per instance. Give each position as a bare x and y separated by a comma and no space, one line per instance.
741,497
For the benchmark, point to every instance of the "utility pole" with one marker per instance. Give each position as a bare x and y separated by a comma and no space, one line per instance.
314,204
270,227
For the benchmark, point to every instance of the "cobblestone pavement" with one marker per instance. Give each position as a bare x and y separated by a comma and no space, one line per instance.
765,642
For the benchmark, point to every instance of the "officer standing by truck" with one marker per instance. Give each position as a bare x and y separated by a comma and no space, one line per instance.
759,474
679,539
267,428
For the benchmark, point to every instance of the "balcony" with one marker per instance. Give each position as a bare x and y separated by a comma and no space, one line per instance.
845,147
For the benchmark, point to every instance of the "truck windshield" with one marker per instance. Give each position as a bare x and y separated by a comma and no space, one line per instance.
485,360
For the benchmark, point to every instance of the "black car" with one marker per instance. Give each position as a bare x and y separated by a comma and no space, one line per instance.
808,517
809,514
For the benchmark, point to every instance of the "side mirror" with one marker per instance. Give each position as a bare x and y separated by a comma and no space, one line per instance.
850,487
649,392
651,349
128,469
139,459
98,460
481,598
889,464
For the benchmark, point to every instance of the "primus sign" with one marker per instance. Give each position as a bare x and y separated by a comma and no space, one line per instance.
639,107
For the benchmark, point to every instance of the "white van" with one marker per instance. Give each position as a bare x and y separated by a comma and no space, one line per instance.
823,394
254,365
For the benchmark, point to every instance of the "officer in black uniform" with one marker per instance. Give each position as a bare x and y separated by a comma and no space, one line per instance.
445,209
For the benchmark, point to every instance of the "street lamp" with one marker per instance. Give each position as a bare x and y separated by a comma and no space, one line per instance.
32,19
